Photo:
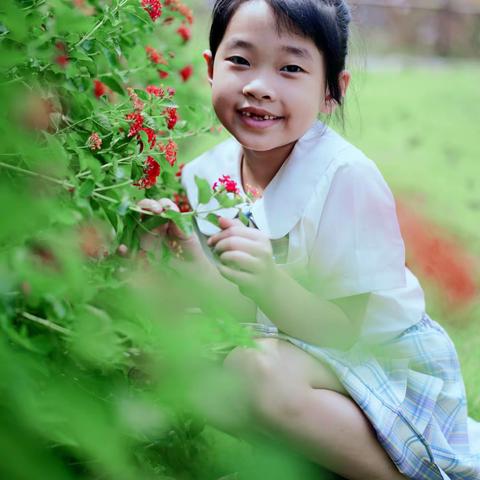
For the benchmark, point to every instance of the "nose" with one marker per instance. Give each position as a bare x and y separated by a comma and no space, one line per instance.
259,89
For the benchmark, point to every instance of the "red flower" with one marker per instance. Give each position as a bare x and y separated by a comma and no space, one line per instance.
137,123
151,171
152,136
177,5
153,8
154,56
229,184
184,32
171,152
180,168
137,103
186,72
172,114
156,91
162,74
62,58
170,91
99,88
182,202
94,141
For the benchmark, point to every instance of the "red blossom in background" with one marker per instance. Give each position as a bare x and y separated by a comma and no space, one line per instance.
62,58
229,184
437,256
184,32
153,8
154,56
151,171
99,88
162,74
172,116
180,168
170,91
186,72
94,141
156,91
178,6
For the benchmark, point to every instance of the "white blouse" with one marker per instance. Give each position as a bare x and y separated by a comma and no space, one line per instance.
332,211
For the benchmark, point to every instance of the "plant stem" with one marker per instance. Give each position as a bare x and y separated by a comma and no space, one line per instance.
63,183
46,323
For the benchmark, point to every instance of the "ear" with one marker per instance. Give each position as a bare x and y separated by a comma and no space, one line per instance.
207,55
329,104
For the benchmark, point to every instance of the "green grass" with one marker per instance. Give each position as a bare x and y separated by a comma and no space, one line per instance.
421,127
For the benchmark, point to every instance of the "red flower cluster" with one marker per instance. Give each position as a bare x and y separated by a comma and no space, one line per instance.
178,6
154,56
172,116
229,184
184,32
151,171
170,151
137,103
94,141
186,72
137,123
182,202
62,57
99,88
153,8
156,91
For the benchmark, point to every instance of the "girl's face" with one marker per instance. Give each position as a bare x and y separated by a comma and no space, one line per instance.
265,73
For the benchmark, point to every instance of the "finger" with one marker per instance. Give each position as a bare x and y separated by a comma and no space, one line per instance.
225,222
236,230
242,279
240,261
166,204
237,243
150,205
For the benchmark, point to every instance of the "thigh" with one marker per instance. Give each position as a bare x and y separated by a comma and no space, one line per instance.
279,360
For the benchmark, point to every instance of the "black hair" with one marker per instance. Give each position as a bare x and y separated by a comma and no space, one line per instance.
325,22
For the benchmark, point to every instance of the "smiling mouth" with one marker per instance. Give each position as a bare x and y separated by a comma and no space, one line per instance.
259,117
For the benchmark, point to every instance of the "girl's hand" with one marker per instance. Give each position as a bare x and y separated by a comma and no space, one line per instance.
183,246
246,255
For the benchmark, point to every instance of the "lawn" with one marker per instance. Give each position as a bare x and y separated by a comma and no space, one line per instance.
420,125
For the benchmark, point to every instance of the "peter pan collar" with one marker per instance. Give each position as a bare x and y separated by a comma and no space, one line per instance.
286,196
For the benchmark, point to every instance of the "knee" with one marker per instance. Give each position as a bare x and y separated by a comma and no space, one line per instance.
273,394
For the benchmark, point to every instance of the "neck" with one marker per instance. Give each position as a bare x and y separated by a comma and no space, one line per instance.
259,168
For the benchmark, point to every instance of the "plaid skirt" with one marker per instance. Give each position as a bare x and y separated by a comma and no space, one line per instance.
411,389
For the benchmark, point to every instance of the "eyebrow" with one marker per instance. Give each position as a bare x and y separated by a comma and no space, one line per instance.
297,51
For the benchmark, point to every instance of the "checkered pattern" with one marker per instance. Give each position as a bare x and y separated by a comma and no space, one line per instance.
412,391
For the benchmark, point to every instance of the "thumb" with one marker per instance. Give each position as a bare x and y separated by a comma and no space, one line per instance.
225,222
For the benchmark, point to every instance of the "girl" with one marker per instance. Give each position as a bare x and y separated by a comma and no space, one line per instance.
350,367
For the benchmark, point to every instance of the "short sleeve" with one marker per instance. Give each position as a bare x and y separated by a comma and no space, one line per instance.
358,246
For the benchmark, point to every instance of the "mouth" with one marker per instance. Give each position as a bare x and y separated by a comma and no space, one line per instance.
258,121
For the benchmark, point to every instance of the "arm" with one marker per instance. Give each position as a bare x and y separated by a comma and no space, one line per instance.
214,292
306,316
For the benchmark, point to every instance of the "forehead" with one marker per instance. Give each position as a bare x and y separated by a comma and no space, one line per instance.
254,25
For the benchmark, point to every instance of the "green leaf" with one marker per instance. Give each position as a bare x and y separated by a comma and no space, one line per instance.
212,218
205,192
86,188
182,220
243,218
227,202
114,84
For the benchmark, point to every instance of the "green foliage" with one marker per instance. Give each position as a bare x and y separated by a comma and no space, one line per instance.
104,353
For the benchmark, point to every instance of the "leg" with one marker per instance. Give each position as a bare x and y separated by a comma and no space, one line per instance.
295,396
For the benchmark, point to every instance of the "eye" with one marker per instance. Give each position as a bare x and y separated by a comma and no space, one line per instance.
300,69
237,60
